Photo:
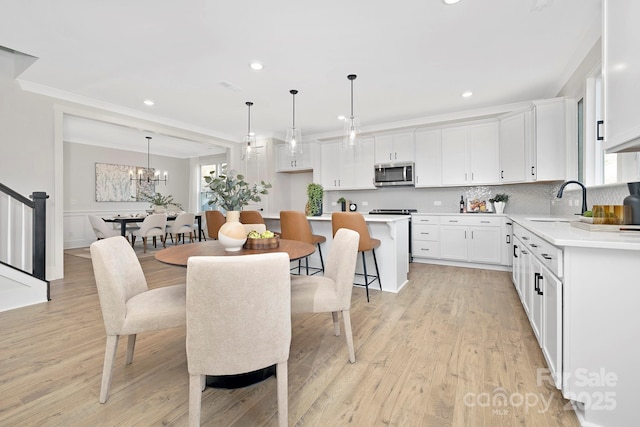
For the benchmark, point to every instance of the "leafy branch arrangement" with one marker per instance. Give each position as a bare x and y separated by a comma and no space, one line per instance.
158,199
500,197
231,192
314,204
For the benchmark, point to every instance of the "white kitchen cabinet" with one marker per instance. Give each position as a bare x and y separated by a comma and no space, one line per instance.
428,155
392,148
471,239
547,153
540,266
620,37
296,163
513,142
347,168
470,154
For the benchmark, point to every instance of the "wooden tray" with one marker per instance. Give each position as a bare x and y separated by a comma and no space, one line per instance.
270,243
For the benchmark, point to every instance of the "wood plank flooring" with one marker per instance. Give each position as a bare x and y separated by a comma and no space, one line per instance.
454,348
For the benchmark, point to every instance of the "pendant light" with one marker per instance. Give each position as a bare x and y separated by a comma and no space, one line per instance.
148,175
251,149
351,124
294,136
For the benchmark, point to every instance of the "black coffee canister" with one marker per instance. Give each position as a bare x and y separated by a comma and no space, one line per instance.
633,200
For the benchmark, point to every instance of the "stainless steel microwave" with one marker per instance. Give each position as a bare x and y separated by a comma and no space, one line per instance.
393,174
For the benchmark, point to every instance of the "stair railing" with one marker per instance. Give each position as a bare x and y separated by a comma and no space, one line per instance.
23,232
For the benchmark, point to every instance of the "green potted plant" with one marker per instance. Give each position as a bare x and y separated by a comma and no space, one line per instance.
231,192
499,201
314,203
158,202
343,204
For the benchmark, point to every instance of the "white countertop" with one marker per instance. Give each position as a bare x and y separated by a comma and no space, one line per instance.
564,234
367,218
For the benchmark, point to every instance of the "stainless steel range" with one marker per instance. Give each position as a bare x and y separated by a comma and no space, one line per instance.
407,212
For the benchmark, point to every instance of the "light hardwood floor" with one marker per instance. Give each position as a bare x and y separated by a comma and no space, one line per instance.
442,352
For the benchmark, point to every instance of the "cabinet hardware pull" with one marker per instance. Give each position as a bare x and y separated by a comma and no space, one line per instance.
523,252
485,222
501,174
546,256
424,249
465,234
536,288
423,232
508,239
533,245
453,220
525,238
532,172
515,248
540,278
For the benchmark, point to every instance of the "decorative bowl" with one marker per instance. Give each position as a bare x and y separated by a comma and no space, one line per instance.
269,243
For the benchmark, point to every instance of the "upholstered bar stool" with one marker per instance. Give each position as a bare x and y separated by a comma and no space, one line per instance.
214,219
251,217
295,226
355,221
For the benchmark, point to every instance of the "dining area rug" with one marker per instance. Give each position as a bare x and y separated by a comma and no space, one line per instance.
151,251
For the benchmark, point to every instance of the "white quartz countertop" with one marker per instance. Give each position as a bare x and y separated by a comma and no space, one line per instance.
564,234
367,218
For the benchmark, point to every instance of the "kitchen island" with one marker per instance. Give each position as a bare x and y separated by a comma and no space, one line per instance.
392,255
580,291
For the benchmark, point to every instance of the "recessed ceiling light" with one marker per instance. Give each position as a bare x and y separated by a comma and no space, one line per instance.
450,1
255,65
148,102
466,94
341,117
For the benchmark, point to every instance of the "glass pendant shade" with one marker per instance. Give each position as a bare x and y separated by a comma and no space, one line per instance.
294,135
352,123
250,151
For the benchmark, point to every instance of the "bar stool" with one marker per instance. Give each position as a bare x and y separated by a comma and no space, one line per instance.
355,221
295,226
251,217
214,219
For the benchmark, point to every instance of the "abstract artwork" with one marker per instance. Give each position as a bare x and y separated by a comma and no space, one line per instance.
114,183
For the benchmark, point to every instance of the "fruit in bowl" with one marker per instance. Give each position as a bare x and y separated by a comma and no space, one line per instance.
265,240
253,234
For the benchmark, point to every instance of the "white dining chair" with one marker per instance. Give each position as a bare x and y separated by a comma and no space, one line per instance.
101,229
153,226
181,226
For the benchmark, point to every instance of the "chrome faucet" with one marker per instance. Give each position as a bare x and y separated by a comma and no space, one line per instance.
584,193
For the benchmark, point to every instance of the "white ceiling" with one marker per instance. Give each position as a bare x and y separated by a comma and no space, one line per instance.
413,58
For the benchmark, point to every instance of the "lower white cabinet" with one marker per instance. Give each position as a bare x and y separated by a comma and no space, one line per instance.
462,238
537,265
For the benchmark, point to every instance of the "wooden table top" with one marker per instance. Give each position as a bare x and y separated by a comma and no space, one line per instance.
179,254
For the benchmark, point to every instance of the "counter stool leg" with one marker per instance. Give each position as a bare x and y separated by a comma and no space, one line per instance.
321,260
366,279
375,261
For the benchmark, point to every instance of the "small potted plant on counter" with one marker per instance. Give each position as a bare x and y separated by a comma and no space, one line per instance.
499,201
343,204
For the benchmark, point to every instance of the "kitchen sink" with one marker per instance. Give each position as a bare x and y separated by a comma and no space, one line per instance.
549,219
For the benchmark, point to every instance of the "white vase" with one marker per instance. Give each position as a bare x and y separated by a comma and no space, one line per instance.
232,234
499,207
159,209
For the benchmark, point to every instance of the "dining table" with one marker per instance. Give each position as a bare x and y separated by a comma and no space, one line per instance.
123,220
179,256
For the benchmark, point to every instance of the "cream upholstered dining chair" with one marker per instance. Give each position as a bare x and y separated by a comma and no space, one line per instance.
153,226
183,224
101,229
128,306
331,292
294,225
355,221
214,220
238,321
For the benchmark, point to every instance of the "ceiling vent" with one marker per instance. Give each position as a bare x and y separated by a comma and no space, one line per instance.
230,86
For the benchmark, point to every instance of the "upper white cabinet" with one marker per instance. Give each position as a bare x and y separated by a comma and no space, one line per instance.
393,148
300,162
547,152
513,142
470,154
347,168
428,155
621,62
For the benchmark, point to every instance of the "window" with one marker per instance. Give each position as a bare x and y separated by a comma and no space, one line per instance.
208,170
